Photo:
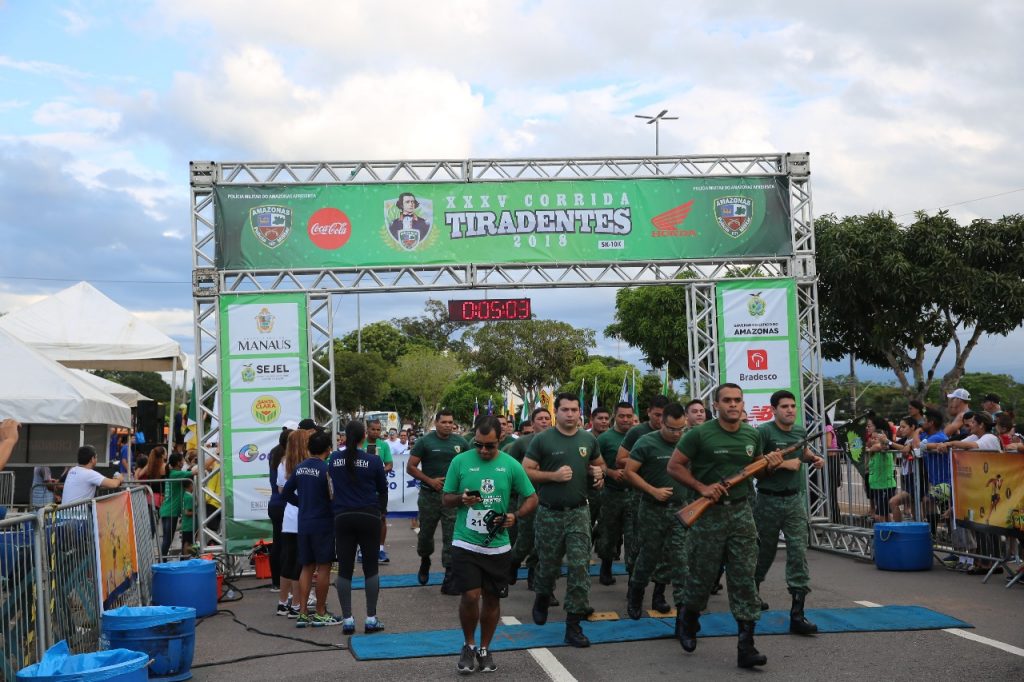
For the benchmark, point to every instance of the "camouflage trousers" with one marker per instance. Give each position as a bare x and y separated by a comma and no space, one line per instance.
431,512
523,550
789,515
595,497
567,533
725,534
612,522
630,535
662,553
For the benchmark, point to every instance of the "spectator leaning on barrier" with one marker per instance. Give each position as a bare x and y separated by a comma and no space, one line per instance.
991,404
1007,432
170,510
980,437
83,480
958,405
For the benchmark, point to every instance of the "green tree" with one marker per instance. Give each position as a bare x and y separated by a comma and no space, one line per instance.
653,319
428,375
890,294
528,354
434,329
360,379
466,390
382,338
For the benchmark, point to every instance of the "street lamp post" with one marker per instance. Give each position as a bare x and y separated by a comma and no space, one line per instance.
656,120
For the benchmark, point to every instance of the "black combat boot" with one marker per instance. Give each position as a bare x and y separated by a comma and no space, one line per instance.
574,633
798,624
764,604
635,600
658,602
423,575
606,577
746,655
540,608
687,627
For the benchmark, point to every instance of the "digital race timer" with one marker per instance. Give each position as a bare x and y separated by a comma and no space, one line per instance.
489,310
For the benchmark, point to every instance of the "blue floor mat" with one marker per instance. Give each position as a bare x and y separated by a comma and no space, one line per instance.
409,579
528,636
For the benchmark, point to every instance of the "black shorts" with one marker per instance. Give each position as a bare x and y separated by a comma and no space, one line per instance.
881,497
316,548
473,570
290,556
187,537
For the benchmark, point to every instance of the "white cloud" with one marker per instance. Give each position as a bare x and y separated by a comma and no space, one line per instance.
76,22
171,321
63,114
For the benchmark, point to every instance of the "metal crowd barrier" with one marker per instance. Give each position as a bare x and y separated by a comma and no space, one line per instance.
6,488
22,625
48,581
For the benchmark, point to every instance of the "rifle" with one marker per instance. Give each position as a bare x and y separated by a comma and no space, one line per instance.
689,514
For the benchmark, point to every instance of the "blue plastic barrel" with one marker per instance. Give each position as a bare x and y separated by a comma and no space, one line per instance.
187,583
903,546
59,665
166,634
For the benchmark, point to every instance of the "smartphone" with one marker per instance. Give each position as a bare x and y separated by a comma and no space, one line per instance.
474,493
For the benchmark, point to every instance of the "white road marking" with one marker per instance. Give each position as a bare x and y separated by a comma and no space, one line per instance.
1002,646
544,658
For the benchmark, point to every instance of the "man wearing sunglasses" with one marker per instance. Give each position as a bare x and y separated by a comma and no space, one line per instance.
480,481
661,538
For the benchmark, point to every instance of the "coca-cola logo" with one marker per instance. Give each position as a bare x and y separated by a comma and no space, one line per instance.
329,228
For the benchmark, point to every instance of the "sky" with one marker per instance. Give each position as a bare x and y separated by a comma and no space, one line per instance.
903,106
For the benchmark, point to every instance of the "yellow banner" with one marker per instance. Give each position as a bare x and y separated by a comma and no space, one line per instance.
988,490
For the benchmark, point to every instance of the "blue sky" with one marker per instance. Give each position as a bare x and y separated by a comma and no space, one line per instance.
103,104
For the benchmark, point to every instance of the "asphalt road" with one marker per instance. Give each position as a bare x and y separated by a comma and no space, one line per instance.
996,613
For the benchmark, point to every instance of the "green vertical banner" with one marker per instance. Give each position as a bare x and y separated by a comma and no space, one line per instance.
264,383
759,341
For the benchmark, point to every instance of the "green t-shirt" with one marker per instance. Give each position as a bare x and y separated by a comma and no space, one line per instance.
383,450
436,453
715,453
188,504
653,454
608,443
497,480
552,450
519,448
634,434
171,506
881,470
506,442
774,438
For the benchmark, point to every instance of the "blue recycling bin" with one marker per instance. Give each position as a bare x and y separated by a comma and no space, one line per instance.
166,634
59,665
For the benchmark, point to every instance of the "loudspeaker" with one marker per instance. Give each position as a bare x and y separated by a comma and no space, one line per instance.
147,420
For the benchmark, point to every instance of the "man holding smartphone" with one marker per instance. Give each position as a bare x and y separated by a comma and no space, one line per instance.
480,483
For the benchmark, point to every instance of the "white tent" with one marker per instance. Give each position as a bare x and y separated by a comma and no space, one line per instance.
80,327
128,396
37,390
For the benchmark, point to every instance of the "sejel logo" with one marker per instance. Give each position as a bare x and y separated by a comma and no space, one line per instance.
329,228
248,373
734,214
266,409
271,224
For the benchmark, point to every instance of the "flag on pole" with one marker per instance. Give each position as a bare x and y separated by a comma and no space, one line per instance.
476,408
633,401
624,393
664,382
490,406
536,399
593,402
524,411
583,392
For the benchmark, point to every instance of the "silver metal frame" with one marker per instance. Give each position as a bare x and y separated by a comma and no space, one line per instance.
698,275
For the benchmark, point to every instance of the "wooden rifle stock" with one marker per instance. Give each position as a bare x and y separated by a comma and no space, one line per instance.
689,514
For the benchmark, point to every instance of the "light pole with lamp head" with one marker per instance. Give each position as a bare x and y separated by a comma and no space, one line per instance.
656,120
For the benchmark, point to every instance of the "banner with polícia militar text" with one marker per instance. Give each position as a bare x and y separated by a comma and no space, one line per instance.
260,227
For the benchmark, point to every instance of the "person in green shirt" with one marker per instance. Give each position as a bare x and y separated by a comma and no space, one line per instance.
704,456
481,481
428,463
616,493
170,509
779,506
375,445
563,461
661,555
506,433
188,506
523,550
881,469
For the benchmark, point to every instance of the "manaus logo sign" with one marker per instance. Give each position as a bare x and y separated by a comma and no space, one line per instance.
266,409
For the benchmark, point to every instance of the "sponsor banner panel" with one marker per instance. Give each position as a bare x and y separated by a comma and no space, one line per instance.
251,497
116,555
263,329
760,365
756,313
542,221
251,452
264,410
988,491
759,407
262,373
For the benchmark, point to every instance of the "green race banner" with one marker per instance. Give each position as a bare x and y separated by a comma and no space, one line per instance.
264,227
264,379
758,341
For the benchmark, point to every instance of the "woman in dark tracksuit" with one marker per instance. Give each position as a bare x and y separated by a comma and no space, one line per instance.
275,508
359,482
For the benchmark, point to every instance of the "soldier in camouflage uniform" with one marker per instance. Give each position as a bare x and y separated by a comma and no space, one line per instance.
616,493
780,507
726,532
561,462
523,549
662,539
435,450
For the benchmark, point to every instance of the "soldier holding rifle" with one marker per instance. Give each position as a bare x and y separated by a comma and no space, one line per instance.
703,458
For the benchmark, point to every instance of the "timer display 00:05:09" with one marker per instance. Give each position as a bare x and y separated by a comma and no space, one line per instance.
489,310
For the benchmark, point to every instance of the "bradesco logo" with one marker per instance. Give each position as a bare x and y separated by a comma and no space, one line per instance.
329,228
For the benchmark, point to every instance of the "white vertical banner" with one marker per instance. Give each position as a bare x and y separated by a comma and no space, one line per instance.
403,489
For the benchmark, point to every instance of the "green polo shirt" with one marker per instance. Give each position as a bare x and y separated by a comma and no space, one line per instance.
652,452
715,454
552,450
437,453
609,442
774,438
